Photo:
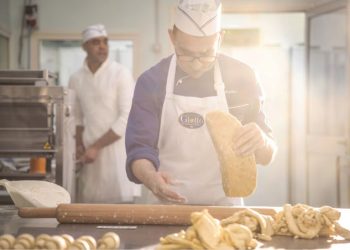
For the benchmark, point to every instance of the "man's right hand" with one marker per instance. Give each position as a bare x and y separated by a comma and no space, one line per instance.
80,151
160,185
79,145
158,182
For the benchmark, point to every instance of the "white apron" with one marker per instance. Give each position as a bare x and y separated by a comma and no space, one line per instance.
187,154
104,180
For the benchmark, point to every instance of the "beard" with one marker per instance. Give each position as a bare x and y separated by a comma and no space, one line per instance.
195,73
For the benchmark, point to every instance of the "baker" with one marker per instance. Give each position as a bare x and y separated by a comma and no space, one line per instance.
168,146
103,90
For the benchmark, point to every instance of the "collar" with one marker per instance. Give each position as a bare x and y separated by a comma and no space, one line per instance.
100,69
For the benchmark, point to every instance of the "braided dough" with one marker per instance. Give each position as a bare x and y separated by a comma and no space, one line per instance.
68,239
7,241
79,244
260,225
90,240
41,240
303,221
24,241
207,233
109,240
238,173
239,230
55,242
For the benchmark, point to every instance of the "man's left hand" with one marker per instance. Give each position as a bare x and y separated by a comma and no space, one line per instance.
90,155
249,139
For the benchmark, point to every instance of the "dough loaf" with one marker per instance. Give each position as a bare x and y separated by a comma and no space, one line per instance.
238,173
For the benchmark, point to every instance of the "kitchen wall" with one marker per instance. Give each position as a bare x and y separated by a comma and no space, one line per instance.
4,34
139,18
4,16
133,17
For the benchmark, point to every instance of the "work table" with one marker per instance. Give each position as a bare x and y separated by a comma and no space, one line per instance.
147,236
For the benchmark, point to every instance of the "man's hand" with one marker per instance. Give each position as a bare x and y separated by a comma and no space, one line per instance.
158,182
160,185
249,139
79,151
93,150
79,145
90,154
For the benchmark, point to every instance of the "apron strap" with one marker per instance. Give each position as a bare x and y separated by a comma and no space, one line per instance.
171,76
219,86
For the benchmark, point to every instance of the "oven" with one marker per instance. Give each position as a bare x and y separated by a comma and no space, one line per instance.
36,122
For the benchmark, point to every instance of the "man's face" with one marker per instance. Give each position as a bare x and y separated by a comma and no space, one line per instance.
96,49
195,55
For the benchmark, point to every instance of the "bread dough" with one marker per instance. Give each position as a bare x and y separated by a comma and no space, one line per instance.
79,244
238,173
7,241
90,240
109,240
303,221
207,233
259,224
56,242
68,238
41,240
208,229
30,193
239,237
24,241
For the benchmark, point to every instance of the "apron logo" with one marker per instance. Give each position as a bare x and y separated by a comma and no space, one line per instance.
191,120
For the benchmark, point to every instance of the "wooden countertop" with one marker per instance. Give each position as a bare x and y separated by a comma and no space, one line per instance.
147,236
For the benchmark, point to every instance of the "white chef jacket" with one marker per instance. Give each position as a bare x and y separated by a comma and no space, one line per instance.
103,102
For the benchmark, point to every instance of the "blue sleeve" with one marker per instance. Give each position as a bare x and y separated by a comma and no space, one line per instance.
255,112
245,95
142,130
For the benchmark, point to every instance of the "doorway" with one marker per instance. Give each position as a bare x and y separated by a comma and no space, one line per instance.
327,119
63,55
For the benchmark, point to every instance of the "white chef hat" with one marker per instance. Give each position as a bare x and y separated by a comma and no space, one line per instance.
198,17
93,31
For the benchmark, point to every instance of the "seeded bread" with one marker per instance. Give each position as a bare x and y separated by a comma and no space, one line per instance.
238,173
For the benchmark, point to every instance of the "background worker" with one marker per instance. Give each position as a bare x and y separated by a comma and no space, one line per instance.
103,91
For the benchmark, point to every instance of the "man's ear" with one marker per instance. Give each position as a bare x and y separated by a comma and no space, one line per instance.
221,38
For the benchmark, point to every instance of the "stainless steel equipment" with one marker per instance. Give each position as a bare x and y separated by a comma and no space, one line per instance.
36,121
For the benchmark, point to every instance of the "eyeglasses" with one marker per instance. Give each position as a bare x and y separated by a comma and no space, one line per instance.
202,59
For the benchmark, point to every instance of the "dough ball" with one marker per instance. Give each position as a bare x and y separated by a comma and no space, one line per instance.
7,241
109,240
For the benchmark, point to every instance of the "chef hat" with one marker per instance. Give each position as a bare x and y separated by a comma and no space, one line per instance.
93,31
198,17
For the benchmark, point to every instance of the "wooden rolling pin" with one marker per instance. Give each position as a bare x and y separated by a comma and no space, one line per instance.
130,213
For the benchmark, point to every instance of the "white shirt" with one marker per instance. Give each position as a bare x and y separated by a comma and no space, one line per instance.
103,102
